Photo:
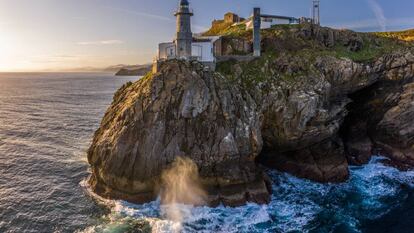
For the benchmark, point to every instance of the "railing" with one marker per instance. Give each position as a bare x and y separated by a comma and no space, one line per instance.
190,11
192,58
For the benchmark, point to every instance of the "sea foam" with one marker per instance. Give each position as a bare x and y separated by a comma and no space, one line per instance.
297,205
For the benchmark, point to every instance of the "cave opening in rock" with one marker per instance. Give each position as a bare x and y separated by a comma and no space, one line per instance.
359,129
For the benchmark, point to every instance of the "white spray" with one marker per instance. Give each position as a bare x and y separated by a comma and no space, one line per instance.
181,190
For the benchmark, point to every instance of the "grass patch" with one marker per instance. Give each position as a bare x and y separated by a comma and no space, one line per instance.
226,29
226,67
370,51
407,35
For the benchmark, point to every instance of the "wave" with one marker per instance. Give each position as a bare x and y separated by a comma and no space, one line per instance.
297,205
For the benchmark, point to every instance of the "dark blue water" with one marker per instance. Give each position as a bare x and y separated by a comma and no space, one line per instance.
47,122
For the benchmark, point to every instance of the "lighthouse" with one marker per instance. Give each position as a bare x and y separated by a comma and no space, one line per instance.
184,37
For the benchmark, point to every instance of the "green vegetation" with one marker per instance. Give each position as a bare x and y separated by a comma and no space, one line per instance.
226,67
371,49
286,26
260,71
290,51
217,29
237,31
226,29
368,47
121,91
257,71
403,35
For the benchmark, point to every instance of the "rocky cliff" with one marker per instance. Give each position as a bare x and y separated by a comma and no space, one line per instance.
181,111
317,100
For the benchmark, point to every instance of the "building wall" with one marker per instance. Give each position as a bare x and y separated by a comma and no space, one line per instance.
203,51
216,22
231,18
218,47
269,22
167,50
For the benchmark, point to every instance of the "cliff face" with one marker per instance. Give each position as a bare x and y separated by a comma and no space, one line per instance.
308,131
181,111
316,101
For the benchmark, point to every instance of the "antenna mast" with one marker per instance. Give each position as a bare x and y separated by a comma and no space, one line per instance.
316,12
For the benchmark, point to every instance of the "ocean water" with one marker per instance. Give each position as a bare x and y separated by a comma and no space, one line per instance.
46,125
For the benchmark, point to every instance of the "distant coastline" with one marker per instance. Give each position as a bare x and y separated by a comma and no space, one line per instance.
134,69
140,71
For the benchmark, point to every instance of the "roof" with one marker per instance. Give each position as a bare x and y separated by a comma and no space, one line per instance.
277,17
230,13
205,38
201,40
184,2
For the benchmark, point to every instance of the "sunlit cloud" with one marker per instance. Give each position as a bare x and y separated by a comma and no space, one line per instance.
101,42
379,14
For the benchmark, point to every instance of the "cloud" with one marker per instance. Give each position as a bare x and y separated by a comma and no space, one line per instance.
60,58
372,24
154,16
379,14
101,42
147,15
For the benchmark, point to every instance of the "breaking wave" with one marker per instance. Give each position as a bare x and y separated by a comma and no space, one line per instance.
297,205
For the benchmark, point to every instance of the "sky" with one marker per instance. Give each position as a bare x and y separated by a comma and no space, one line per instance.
53,35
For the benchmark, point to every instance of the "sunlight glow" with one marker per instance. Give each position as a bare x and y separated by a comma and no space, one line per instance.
7,51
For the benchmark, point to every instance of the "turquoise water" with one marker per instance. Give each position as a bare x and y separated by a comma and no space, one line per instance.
46,125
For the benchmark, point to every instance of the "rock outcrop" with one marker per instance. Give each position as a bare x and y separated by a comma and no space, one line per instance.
181,111
395,132
381,115
303,126
307,109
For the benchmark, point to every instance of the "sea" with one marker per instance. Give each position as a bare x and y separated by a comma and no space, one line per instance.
47,121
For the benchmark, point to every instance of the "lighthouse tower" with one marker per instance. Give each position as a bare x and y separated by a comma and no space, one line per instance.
184,35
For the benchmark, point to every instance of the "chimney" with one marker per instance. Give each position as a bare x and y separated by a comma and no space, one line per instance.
256,32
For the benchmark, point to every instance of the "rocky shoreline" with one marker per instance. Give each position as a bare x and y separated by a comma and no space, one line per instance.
295,109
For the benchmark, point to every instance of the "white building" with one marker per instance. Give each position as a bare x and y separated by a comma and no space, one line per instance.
267,21
186,45
202,49
166,51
